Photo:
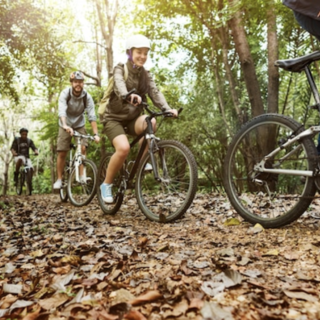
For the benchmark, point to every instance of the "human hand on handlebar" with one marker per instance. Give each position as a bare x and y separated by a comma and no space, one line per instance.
135,99
69,130
174,112
96,138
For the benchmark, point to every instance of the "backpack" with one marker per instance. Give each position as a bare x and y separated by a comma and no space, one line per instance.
84,99
107,93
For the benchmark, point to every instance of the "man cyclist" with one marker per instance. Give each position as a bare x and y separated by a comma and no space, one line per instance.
73,103
20,150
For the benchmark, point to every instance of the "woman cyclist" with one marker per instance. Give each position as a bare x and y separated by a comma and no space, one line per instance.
124,116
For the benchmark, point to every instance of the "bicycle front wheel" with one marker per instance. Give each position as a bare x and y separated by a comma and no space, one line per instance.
117,189
272,200
20,183
64,188
29,181
168,199
82,192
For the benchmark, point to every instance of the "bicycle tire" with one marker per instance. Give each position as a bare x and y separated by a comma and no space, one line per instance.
81,193
117,190
289,196
168,199
64,188
28,177
20,182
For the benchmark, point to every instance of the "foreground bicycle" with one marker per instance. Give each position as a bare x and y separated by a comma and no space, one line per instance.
271,170
24,178
79,177
165,193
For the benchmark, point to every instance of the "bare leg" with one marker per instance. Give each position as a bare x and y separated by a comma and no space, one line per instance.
18,165
61,160
122,147
140,126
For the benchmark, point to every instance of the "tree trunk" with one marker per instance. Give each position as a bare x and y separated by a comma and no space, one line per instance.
107,29
247,65
273,72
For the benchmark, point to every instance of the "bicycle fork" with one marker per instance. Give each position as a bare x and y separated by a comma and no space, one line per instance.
153,147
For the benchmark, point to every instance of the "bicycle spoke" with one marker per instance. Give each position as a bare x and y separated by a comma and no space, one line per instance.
82,192
271,199
169,198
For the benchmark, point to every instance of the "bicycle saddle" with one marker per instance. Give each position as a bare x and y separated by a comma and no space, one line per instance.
298,64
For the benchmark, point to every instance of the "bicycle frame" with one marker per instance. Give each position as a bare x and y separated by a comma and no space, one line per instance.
296,65
78,156
149,139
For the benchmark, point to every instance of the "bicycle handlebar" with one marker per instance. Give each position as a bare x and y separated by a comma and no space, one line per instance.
83,136
146,106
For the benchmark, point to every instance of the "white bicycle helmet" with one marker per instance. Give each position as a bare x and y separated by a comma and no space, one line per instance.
137,41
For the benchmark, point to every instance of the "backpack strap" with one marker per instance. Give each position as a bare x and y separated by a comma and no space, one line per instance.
126,72
84,99
69,96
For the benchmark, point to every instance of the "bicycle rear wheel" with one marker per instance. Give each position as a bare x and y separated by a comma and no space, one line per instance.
81,193
273,200
117,190
20,182
170,198
28,177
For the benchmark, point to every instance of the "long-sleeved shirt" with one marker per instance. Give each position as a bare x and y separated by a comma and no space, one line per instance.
120,110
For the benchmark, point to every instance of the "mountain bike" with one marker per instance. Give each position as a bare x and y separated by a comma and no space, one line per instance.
271,170
24,178
165,193
79,177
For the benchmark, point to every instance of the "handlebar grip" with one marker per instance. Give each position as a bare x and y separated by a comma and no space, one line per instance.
180,110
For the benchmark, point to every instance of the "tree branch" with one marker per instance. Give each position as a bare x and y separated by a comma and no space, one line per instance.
97,43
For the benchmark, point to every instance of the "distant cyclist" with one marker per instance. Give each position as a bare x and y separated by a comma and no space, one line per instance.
20,150
73,103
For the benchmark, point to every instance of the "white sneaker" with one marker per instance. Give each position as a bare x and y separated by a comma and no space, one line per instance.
84,180
57,184
106,193
148,167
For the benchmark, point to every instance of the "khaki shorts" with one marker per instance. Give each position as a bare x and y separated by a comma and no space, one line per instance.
115,128
64,139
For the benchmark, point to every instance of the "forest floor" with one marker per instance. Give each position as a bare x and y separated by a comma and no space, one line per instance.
58,261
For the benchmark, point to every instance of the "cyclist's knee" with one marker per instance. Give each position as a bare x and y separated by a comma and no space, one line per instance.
154,124
123,151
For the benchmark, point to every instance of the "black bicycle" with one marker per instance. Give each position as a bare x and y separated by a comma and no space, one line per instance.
79,177
163,194
271,170
24,178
